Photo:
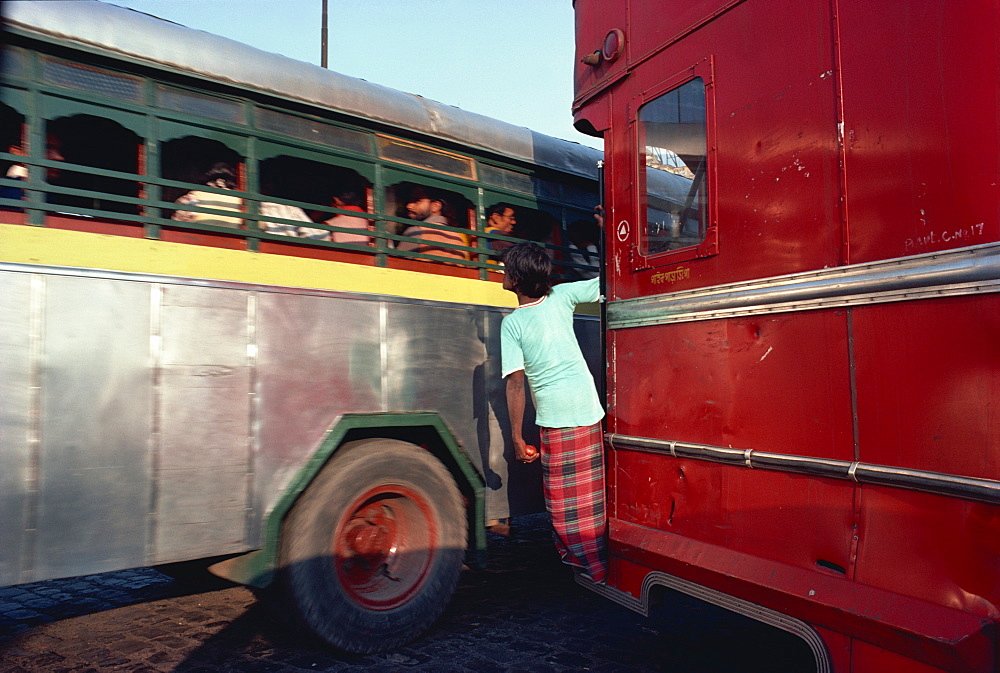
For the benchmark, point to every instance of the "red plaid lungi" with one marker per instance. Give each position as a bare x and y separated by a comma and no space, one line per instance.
573,472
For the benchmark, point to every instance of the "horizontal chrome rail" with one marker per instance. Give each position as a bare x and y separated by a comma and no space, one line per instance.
968,488
970,270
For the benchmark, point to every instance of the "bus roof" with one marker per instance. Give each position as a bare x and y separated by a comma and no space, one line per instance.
125,32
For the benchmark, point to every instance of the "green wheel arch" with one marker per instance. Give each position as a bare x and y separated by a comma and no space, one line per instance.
427,429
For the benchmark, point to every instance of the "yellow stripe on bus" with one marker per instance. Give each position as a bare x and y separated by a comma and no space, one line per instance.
55,247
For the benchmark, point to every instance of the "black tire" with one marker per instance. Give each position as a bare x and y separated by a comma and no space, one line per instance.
372,551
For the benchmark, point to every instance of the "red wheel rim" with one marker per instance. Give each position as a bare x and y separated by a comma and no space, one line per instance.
384,546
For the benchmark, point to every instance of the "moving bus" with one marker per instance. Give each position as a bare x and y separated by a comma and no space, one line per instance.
803,363
325,412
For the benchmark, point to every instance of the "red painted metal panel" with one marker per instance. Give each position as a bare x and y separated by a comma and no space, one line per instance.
920,125
752,512
775,182
926,373
662,22
770,383
943,550
839,132
867,658
838,647
947,638
594,18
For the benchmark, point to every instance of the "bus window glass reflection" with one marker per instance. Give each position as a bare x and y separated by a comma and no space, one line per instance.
673,154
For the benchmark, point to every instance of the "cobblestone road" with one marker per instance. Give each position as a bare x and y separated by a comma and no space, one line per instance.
522,613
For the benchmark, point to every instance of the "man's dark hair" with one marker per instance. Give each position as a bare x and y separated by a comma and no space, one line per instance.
418,193
528,268
220,171
497,209
349,197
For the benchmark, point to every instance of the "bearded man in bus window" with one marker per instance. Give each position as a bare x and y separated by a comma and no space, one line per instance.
429,206
538,344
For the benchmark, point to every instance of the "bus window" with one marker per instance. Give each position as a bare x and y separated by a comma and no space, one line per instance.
583,238
538,226
11,141
318,184
191,159
428,206
570,251
513,219
672,148
101,143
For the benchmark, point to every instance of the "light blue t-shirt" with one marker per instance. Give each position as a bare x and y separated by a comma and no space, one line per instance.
539,339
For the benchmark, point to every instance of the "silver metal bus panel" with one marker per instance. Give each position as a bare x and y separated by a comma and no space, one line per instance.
148,419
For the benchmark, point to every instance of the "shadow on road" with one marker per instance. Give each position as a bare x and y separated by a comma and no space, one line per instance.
522,613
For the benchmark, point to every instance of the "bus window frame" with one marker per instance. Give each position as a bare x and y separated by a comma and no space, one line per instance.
380,139
266,149
168,129
159,85
259,109
709,246
16,98
57,106
269,149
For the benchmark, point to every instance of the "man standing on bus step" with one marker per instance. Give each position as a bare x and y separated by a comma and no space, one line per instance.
538,343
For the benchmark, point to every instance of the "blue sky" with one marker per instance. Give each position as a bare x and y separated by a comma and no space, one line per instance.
509,59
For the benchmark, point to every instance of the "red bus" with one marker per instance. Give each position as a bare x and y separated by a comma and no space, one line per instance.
802,332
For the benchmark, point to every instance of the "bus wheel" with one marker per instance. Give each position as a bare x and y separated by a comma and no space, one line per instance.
372,551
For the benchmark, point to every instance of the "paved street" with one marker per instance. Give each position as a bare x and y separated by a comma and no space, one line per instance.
522,613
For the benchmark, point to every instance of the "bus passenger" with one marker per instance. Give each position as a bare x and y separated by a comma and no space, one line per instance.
430,207
221,176
537,343
583,236
285,212
500,219
349,200
19,172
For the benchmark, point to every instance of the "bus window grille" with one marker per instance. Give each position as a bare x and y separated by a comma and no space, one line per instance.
313,131
426,157
12,61
199,104
86,78
504,179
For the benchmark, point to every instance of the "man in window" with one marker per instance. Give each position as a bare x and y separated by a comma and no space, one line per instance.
500,219
429,207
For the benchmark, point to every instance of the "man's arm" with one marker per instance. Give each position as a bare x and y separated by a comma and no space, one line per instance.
515,410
